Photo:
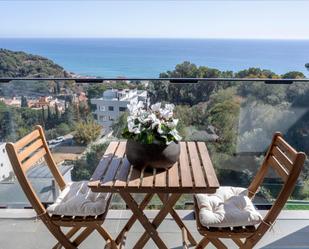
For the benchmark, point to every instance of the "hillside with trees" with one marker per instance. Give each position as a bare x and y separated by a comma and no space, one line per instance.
21,64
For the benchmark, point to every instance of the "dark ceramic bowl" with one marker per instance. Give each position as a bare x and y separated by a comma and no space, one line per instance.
152,155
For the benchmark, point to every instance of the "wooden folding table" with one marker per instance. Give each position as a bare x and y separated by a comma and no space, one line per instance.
193,173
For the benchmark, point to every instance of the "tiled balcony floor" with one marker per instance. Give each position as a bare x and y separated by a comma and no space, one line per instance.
291,231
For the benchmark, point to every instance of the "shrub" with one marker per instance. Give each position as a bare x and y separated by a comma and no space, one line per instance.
86,132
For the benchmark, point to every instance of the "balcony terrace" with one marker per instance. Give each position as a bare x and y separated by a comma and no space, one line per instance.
234,117
289,232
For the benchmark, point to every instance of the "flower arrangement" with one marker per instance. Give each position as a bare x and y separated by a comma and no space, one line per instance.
153,125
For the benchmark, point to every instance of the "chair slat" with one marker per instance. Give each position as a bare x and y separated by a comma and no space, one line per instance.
281,171
173,176
196,165
286,148
210,174
111,172
107,157
185,173
27,139
33,159
282,158
30,149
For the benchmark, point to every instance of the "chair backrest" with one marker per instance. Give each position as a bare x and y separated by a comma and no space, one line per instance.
287,163
24,154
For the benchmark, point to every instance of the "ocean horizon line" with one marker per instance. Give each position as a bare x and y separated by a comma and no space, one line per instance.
162,38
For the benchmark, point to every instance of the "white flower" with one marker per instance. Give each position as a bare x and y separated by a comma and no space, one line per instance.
166,114
169,107
132,106
136,129
135,108
172,124
140,105
156,107
175,134
153,120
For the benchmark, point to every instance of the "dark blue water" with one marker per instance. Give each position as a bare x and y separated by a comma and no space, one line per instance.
149,57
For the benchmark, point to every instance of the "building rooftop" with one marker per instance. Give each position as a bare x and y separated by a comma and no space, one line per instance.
11,194
121,94
289,232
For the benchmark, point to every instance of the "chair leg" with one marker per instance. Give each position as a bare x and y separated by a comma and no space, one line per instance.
250,243
217,243
203,243
238,242
60,236
69,235
110,243
83,235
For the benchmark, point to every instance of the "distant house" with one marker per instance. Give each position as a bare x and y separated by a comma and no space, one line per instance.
113,103
42,102
45,101
80,98
14,102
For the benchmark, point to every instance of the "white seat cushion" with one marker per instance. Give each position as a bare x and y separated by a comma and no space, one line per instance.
228,207
78,200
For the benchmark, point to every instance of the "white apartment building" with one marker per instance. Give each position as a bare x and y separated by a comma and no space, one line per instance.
5,164
114,103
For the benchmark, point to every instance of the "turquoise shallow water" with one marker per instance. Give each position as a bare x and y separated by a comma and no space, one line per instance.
149,57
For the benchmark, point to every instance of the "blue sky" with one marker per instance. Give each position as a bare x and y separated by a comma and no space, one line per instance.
160,19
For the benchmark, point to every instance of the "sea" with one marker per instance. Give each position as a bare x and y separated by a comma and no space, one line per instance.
144,58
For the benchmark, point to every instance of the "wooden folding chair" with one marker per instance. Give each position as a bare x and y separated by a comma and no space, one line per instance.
23,155
287,163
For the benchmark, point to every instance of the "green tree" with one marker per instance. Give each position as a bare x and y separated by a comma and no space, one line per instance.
119,125
223,113
86,132
95,91
63,129
293,75
57,113
84,167
68,116
24,102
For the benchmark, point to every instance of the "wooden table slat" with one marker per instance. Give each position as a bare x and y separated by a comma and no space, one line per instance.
134,180
107,157
173,176
160,179
123,175
210,173
148,177
186,179
111,172
196,165
193,173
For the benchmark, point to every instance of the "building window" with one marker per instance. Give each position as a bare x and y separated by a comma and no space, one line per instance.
102,108
111,118
103,118
110,108
122,109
